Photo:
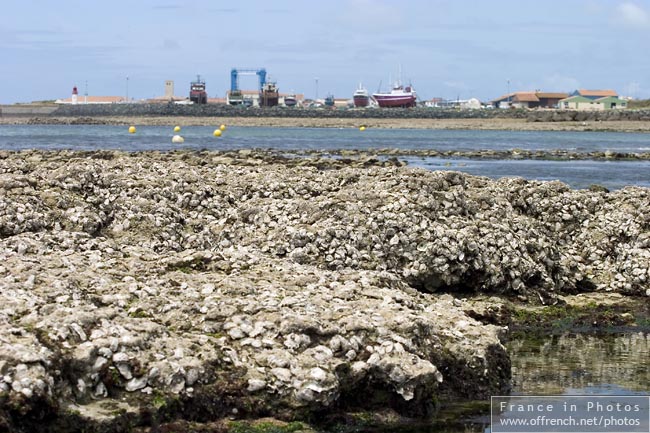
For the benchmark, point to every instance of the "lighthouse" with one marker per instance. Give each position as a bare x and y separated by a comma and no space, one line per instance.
74,95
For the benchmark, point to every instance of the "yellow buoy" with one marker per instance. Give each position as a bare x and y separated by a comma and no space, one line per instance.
131,129
177,129
217,133
177,139
362,128
222,127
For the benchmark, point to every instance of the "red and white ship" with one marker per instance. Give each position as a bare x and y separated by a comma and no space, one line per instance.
198,95
361,98
399,96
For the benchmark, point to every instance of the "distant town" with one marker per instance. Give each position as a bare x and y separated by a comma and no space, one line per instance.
267,94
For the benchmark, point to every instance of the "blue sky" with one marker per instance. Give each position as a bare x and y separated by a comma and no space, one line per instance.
446,48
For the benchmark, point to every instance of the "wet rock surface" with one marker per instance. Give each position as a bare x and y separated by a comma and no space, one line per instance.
207,284
487,154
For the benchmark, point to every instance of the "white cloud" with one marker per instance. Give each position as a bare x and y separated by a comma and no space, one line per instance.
633,15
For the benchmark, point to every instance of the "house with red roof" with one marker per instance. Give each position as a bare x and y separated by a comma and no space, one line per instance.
595,94
535,99
593,100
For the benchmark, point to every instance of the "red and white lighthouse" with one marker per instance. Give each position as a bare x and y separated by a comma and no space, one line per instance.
74,94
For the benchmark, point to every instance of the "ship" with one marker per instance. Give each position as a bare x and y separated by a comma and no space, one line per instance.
329,100
269,95
399,96
235,97
290,100
360,97
198,95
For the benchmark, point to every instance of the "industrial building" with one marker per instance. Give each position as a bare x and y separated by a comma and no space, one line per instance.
593,100
581,99
534,99
583,103
251,98
461,104
594,94
168,96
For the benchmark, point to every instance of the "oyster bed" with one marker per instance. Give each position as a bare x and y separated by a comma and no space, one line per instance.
143,287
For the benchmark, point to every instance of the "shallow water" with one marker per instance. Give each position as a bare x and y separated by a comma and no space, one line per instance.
570,364
577,174
89,137
576,364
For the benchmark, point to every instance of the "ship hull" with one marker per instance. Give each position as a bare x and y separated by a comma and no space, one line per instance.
269,96
199,97
394,100
361,101
269,99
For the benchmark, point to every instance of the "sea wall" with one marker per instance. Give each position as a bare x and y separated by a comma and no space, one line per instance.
27,110
146,286
218,110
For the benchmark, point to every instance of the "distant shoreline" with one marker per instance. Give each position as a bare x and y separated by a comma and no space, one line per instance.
313,122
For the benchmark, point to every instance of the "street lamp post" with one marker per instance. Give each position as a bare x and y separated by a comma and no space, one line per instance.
127,88
508,93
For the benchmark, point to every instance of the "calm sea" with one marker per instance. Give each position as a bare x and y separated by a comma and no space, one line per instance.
578,174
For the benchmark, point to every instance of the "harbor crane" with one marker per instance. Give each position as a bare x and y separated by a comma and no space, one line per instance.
235,96
236,72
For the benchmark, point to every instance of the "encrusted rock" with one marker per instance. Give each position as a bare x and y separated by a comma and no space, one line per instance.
175,273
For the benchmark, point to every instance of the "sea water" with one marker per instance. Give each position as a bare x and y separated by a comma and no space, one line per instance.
561,365
577,174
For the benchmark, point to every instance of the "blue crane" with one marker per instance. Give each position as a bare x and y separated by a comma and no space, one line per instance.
234,77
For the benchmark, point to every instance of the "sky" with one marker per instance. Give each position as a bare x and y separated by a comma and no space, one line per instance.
454,49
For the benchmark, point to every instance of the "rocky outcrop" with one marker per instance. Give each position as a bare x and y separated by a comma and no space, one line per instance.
241,285
521,154
586,116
